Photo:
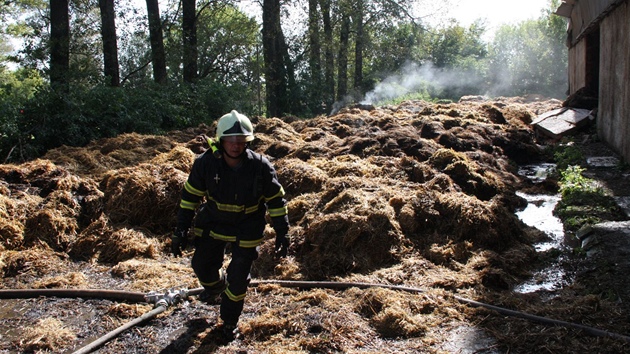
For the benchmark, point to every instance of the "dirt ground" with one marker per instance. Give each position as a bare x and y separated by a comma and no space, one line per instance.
418,199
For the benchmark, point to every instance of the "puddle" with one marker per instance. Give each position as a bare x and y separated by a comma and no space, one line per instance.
12,313
539,214
624,203
538,172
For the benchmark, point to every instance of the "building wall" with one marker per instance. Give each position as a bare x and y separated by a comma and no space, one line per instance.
613,118
586,15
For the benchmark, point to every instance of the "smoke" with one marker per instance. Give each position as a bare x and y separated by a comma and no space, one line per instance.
425,78
427,81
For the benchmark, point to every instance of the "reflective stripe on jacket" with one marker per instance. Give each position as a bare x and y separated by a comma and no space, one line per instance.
234,200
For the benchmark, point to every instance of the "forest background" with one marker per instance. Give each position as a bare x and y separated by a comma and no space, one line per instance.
90,69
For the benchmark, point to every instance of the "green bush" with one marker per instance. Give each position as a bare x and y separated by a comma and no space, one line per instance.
32,125
16,88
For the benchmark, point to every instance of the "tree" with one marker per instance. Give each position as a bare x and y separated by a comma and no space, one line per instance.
158,54
189,27
227,39
365,19
358,45
275,70
13,25
110,44
59,44
16,88
315,63
396,47
450,44
342,60
530,57
5,46
35,29
329,59
557,59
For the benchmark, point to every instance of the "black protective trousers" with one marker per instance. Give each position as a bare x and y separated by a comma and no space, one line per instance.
207,262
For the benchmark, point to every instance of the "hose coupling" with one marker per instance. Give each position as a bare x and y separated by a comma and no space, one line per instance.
166,298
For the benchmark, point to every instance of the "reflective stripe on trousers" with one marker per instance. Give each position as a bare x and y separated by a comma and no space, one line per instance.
207,261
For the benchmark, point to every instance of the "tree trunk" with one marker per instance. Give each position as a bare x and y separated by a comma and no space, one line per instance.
329,72
315,65
157,42
59,44
289,99
272,56
189,27
358,48
110,44
342,65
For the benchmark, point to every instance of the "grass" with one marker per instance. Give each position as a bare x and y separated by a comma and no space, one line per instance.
568,155
583,202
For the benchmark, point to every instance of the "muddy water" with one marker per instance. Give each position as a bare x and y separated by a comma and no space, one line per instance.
539,214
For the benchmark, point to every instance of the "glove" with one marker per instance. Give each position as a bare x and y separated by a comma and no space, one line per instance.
179,241
282,245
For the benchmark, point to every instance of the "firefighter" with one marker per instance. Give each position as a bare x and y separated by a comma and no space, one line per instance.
230,189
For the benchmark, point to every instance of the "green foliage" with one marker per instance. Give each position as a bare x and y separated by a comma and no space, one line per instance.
573,185
396,46
19,85
453,45
16,88
36,118
5,48
447,62
450,56
524,58
48,120
567,155
530,57
227,44
420,96
583,202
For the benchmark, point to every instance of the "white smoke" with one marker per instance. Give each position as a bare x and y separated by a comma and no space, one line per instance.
417,78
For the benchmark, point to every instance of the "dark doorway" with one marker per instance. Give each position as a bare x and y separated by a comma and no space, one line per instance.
592,62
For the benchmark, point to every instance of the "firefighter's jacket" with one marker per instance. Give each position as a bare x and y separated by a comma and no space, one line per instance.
230,204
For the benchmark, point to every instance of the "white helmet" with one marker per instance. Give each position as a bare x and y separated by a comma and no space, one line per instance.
235,124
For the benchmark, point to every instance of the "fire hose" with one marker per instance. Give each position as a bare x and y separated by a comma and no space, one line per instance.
161,301
164,300
79,293
512,313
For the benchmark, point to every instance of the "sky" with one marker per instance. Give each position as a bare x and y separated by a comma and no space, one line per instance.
496,12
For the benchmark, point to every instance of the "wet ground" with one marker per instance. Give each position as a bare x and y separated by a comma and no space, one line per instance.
179,330
598,268
596,256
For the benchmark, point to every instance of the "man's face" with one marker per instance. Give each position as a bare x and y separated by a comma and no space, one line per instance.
234,146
